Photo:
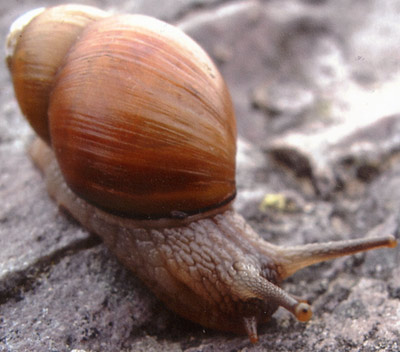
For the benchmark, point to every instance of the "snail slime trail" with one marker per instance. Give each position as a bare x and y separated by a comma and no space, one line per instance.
153,172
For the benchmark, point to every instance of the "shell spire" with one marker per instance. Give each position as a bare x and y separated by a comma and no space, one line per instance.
36,46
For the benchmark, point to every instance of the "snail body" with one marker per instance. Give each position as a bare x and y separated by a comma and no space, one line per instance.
137,140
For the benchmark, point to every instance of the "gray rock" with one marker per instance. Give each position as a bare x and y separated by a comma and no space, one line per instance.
316,79
331,157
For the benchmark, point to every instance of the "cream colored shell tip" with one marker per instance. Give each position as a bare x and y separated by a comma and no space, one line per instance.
16,29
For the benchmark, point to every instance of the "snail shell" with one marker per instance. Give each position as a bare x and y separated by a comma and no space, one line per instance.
143,139
182,160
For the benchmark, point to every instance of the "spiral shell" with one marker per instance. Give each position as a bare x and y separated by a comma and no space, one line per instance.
141,121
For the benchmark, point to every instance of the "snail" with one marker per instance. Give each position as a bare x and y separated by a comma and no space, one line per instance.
137,140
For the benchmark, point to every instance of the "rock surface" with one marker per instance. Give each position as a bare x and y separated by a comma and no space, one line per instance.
314,86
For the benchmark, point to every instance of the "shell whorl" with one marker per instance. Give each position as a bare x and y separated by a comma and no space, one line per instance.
139,117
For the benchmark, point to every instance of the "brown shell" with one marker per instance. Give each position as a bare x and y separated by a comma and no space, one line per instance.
142,122
41,47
